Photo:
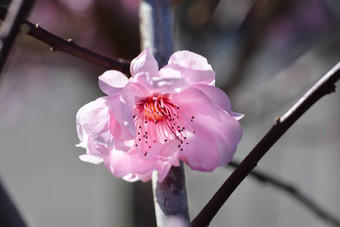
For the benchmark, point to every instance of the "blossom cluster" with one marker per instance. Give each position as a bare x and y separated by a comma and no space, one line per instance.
158,117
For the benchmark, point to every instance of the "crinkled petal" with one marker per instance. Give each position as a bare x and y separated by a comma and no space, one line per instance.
145,62
93,155
130,95
121,126
190,66
94,119
112,82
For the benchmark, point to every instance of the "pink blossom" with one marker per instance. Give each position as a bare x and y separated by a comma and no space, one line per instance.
158,117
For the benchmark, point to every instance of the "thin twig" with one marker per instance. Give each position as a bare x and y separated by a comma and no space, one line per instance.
292,191
18,9
68,46
324,86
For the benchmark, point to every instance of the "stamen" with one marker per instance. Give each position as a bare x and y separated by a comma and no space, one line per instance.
168,122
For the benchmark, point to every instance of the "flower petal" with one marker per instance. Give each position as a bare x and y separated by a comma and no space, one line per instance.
160,85
219,98
193,101
190,66
94,119
200,154
211,142
126,165
165,165
216,95
145,62
91,159
112,81
120,125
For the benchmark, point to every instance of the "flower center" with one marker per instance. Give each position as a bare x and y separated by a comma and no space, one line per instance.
159,119
157,108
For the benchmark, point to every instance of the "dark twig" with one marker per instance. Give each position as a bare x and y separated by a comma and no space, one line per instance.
67,46
292,191
324,86
18,9
9,215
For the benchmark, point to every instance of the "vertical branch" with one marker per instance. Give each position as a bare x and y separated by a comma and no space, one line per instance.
18,9
156,32
156,28
9,215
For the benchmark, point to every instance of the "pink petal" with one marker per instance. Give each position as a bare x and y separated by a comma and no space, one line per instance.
122,164
219,98
112,81
94,152
145,62
214,142
190,66
94,119
91,159
201,154
120,126
127,101
160,85
164,166
169,148
193,101
226,129
216,95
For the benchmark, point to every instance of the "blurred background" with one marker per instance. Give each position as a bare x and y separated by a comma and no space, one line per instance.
266,54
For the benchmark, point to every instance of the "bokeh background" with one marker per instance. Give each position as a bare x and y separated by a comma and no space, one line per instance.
266,55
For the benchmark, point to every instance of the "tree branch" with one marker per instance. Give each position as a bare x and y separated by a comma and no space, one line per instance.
68,46
293,192
170,196
9,215
324,86
18,9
